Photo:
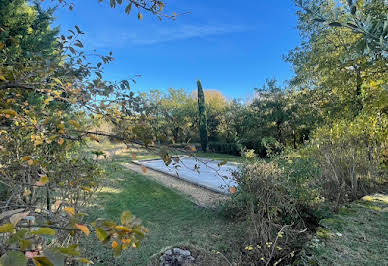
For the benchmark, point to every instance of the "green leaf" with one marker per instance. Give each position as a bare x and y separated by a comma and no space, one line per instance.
125,217
44,231
13,258
139,233
335,24
24,244
101,234
42,261
128,8
117,250
7,228
70,251
19,235
55,256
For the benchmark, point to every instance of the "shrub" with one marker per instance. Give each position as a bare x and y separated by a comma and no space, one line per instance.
265,202
351,156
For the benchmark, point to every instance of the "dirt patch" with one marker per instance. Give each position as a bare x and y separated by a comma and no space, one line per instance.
200,196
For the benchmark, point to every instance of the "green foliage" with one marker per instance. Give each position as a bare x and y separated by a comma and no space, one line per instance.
227,148
353,236
350,155
203,133
266,199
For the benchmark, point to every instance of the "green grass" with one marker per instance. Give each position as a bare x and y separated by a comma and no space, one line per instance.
357,235
171,218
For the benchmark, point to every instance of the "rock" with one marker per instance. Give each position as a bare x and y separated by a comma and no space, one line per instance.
168,252
185,253
176,257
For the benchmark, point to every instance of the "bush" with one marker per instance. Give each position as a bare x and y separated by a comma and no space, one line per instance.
266,203
351,156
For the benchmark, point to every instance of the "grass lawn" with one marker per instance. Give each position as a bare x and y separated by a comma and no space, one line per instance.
171,218
357,235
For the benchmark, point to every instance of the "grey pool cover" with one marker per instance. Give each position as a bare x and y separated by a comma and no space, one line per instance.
209,175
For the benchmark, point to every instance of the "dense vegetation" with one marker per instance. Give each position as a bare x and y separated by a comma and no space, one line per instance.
308,148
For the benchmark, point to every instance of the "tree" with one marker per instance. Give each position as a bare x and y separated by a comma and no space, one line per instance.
50,93
366,18
202,117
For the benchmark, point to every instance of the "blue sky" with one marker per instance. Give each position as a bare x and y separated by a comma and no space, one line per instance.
232,46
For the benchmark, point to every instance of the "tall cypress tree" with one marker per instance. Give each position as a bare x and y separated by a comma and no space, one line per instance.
202,117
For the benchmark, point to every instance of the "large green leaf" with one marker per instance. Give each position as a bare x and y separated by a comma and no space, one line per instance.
55,257
44,231
13,258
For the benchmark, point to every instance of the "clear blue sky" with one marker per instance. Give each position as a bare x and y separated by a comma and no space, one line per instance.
232,46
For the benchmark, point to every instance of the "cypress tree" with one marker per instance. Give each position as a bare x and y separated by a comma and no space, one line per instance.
202,117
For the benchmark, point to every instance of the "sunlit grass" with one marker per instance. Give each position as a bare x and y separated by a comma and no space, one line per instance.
172,219
357,235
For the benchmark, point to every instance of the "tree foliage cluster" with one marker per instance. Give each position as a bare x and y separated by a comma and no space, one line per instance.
50,95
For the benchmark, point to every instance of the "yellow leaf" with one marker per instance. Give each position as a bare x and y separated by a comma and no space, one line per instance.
57,81
2,78
126,240
44,231
7,228
86,189
75,124
60,141
48,100
1,45
70,210
30,162
83,228
123,228
43,180
139,16
8,111
114,244
26,158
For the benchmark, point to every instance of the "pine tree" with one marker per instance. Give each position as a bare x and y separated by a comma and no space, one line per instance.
202,117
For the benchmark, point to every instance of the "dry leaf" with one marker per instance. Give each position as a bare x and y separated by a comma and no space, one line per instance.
144,169
14,219
232,190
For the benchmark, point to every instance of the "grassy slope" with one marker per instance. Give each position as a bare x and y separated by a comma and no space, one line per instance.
357,235
171,218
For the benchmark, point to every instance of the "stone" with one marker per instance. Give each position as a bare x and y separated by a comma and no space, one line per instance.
176,257
168,252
